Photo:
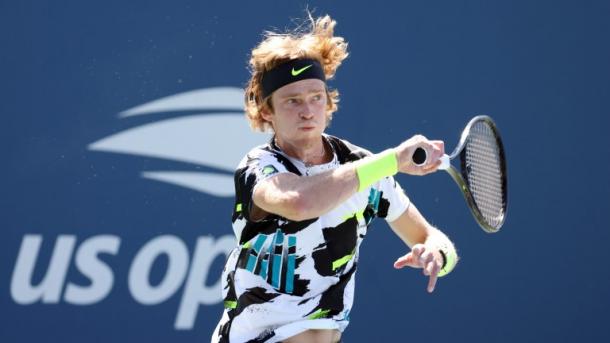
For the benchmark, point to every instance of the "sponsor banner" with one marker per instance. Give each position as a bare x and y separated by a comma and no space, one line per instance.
122,124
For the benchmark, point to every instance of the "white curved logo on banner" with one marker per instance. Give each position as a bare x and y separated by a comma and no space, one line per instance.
216,140
212,136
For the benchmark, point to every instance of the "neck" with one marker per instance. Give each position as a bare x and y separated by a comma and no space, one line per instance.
311,152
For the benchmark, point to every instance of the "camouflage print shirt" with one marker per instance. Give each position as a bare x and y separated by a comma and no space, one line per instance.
287,276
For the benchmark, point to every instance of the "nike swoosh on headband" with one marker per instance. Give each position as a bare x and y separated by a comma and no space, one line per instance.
297,72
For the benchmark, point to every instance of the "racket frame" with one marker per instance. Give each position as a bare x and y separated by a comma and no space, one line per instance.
459,176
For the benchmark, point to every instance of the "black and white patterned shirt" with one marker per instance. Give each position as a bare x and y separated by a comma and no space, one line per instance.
285,276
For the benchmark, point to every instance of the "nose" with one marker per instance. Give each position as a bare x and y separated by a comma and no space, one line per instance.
306,112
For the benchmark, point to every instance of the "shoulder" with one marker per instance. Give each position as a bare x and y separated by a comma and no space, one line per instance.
265,155
347,151
257,153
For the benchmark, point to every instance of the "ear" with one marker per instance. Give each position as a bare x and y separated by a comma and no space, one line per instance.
266,113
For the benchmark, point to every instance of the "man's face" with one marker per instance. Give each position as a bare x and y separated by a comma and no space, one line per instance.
299,110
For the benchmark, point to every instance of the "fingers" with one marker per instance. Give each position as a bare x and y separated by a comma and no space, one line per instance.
412,259
418,250
431,266
409,260
434,150
432,281
430,167
440,145
437,151
404,261
419,257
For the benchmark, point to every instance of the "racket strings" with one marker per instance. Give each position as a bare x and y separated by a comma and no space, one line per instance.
484,173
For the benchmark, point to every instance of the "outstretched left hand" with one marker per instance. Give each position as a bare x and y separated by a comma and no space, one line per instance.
421,257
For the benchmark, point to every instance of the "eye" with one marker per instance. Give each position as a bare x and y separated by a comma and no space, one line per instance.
317,97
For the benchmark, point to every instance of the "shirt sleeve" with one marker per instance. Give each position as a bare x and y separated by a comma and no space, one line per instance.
393,200
257,166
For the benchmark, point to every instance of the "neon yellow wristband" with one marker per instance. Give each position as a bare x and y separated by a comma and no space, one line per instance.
378,167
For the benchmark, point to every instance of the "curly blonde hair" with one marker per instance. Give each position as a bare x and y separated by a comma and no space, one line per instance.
318,42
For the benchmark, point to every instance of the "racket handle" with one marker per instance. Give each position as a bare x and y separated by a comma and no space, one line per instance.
445,162
420,156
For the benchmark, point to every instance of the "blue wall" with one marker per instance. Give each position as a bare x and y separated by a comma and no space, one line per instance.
69,72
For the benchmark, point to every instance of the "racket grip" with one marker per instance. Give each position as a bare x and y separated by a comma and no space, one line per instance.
419,156
445,162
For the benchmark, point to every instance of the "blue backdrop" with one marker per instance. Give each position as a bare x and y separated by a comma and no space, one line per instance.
115,204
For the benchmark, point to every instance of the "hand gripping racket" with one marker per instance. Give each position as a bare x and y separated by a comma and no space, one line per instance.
482,171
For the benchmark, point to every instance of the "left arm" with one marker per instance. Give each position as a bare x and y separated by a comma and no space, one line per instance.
426,243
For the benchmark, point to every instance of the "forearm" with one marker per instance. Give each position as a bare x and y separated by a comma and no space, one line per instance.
413,229
306,197
436,239
430,236
329,190
323,192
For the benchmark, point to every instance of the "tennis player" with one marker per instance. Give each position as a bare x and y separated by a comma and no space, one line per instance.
303,201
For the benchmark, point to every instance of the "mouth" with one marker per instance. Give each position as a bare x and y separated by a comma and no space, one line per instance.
307,126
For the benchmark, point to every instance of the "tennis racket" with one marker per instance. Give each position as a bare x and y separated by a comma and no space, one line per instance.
482,171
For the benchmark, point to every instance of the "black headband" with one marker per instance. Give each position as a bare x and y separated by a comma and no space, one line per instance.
289,72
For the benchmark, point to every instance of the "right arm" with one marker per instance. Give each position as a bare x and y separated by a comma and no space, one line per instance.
305,197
